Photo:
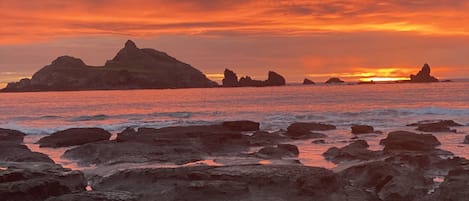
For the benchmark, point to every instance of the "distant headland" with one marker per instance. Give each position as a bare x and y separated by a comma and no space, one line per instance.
135,68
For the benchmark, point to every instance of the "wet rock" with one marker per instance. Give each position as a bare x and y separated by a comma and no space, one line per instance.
7,135
435,125
454,187
230,79
362,129
307,82
178,145
74,136
241,125
387,180
300,128
263,138
21,153
423,75
466,139
230,183
274,79
97,196
334,80
408,141
357,150
37,181
280,151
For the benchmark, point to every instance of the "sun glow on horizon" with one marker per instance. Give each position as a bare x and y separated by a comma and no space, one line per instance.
383,79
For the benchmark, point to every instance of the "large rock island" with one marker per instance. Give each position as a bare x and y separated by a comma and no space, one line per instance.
131,68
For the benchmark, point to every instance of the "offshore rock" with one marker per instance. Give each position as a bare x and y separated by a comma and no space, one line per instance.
362,129
241,125
131,68
334,80
7,135
307,81
408,141
423,75
230,79
274,79
357,150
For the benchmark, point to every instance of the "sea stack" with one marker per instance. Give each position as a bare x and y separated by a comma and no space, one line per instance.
423,75
231,80
334,80
307,81
131,68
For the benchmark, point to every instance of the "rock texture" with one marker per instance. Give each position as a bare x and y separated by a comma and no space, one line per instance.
74,136
13,150
300,129
273,79
131,68
334,80
37,181
357,150
307,81
436,125
408,141
423,75
362,129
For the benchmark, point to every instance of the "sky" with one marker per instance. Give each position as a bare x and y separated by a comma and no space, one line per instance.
351,39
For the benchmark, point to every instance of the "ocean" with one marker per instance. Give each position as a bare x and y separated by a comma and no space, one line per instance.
387,107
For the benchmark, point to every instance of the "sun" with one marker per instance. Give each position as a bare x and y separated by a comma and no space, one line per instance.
383,79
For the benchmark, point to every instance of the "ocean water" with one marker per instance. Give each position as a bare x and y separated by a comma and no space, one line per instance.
387,107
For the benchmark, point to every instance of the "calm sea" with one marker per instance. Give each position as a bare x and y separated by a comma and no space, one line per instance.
385,106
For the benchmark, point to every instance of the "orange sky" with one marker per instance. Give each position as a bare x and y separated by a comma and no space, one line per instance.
314,39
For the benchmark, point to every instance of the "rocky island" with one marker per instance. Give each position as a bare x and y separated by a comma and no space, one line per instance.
131,68
423,75
231,80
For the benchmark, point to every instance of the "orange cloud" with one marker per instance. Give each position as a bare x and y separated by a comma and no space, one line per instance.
25,21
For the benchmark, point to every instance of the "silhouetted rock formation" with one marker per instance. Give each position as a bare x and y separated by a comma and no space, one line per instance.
423,75
275,79
334,80
230,80
131,68
307,81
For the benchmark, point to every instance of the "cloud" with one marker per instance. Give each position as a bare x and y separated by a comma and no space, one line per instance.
26,21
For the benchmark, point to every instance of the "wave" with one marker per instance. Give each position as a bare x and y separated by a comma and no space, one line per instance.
98,117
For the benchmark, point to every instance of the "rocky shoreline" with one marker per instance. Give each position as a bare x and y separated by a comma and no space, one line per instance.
409,167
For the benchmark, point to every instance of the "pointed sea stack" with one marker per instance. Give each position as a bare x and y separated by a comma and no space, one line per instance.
274,79
230,79
423,75
307,81
131,68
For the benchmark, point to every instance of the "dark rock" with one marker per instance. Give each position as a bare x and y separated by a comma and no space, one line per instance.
241,125
16,152
37,181
230,79
466,139
334,80
247,182
249,82
362,129
308,82
301,128
7,135
97,196
275,79
357,150
454,187
263,138
280,151
435,125
423,75
74,136
408,141
178,145
387,180
131,68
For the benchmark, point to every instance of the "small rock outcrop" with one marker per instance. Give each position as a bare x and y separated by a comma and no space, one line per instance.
230,79
334,80
299,129
357,150
74,136
307,81
408,141
436,125
423,75
241,125
466,139
362,129
7,135
274,79
131,68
